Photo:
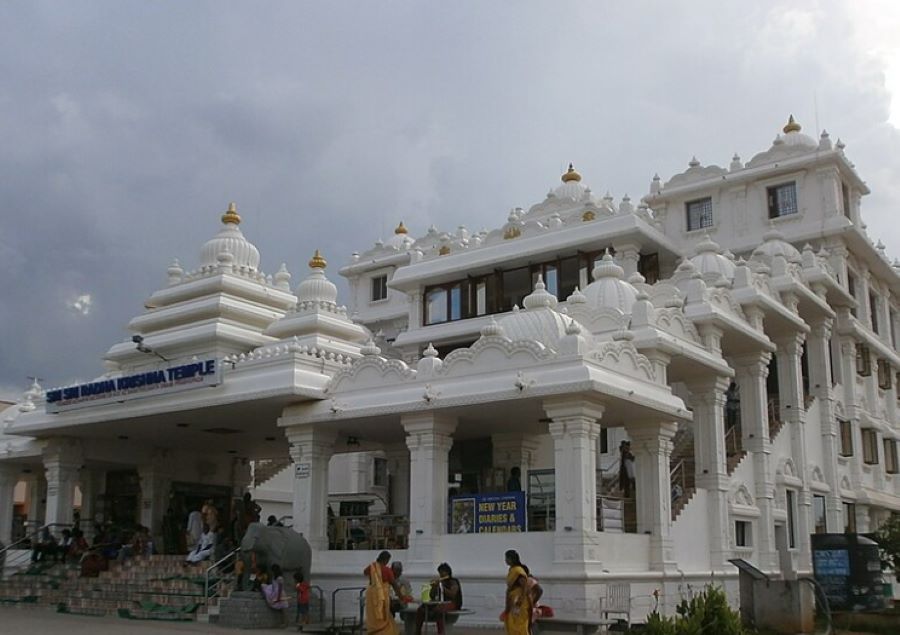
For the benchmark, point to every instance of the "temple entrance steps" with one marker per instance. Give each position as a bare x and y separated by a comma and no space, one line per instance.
157,587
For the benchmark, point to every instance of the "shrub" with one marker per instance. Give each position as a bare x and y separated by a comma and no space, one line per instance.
707,613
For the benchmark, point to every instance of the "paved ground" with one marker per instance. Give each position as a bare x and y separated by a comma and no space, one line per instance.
49,622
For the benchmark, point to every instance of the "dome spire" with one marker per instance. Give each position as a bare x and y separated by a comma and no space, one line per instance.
401,229
317,261
231,216
791,126
571,175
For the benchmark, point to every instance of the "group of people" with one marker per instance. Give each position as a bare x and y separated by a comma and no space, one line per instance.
270,582
444,594
206,537
71,547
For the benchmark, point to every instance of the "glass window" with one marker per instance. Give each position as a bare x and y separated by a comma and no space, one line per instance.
436,306
380,473
790,497
846,437
870,446
819,524
863,360
782,199
851,289
699,213
551,280
742,534
873,311
890,456
849,518
481,298
516,285
845,195
541,500
885,376
379,288
648,266
568,276
456,302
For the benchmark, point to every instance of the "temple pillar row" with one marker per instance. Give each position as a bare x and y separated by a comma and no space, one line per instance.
311,449
62,461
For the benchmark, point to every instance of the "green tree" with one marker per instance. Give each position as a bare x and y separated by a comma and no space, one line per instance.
888,539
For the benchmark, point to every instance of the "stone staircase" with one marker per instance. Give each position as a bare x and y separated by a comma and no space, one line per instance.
151,588
264,469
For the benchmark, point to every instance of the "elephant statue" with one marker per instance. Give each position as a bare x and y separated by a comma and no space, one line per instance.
276,545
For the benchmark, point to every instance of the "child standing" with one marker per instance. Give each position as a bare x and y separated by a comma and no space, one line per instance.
302,587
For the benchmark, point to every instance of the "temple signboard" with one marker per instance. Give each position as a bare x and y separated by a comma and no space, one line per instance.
150,383
487,513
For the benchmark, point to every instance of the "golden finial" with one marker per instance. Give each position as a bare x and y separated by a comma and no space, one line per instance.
231,216
588,215
401,229
571,175
317,261
444,250
792,126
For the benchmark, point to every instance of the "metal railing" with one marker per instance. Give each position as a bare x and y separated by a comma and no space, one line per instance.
369,532
616,513
734,443
213,588
25,545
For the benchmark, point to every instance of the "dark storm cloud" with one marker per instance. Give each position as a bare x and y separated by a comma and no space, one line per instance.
125,129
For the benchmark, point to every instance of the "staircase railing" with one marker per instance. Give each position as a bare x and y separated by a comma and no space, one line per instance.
213,587
20,545
733,440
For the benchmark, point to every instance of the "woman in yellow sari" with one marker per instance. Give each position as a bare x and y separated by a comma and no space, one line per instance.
517,615
379,620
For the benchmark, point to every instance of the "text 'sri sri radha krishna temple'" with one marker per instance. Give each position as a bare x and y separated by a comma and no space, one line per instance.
737,326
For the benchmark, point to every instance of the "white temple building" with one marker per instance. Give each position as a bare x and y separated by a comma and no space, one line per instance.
736,325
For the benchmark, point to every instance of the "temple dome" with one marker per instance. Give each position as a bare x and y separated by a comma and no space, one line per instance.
709,259
230,240
571,187
793,137
316,287
401,240
539,320
610,290
773,245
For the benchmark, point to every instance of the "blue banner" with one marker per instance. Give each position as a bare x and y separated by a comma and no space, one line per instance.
487,513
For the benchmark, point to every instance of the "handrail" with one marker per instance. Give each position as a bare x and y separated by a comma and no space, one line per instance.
206,587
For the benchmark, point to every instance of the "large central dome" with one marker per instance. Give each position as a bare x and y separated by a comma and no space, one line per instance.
230,239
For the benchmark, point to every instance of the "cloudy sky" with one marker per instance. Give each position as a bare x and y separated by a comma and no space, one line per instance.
127,127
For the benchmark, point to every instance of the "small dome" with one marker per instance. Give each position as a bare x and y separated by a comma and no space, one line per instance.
572,186
773,245
316,287
539,320
609,290
230,240
793,137
709,259
401,239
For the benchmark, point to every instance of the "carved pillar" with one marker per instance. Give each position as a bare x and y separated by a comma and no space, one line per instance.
628,255
652,448
429,437
311,449
397,458
36,488
9,476
752,371
156,480
708,401
793,413
62,460
818,346
90,482
575,429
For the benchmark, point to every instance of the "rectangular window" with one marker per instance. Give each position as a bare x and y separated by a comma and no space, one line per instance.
870,446
819,524
851,289
742,533
863,361
604,440
885,377
890,456
568,276
846,430
516,285
699,213
831,368
436,306
648,266
379,288
379,473
845,195
873,311
893,318
782,200
849,518
790,497
456,302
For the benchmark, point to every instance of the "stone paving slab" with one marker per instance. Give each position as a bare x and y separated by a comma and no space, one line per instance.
48,622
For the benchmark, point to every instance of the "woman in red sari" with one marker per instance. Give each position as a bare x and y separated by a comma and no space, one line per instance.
379,620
